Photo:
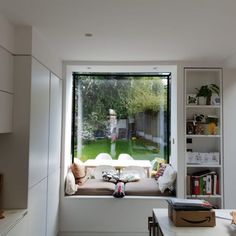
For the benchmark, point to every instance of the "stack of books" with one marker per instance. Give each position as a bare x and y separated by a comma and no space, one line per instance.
179,204
203,183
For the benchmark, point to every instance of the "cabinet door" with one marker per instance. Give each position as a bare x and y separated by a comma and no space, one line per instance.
53,203
37,203
55,124
6,101
39,123
6,71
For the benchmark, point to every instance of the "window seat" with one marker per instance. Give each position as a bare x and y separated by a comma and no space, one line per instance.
143,187
96,187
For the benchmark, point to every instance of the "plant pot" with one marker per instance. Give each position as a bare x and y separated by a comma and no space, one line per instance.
201,100
208,100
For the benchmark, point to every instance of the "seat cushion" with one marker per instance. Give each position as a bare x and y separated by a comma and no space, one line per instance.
96,187
144,187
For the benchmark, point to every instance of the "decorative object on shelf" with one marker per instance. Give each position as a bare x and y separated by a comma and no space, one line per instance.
203,158
190,127
205,92
212,122
215,99
199,129
191,99
199,118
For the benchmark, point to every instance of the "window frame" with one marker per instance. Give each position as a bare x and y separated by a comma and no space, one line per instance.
139,74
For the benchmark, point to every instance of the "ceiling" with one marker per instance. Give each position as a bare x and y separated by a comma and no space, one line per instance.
131,30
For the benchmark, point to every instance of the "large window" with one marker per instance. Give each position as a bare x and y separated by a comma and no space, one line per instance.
120,113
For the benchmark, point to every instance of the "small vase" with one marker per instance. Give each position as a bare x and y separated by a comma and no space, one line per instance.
201,101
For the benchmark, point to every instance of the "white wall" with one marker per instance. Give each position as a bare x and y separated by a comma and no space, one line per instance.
7,34
80,216
229,109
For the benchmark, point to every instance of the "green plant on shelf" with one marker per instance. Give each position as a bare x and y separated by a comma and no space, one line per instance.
206,91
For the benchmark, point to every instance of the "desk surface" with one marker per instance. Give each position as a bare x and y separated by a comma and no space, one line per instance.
223,227
117,163
12,217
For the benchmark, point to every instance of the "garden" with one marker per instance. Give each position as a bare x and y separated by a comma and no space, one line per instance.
120,114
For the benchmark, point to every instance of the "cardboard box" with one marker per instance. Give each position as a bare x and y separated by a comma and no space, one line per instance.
192,218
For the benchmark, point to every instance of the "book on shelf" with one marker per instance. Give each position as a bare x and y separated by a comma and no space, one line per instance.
203,183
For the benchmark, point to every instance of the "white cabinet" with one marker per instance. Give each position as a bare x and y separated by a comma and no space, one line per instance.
6,103
55,124
203,135
37,209
6,71
39,123
6,91
53,203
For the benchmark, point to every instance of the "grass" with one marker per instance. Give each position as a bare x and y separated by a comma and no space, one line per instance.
139,149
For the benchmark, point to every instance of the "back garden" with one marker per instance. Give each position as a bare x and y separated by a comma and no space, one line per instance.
120,114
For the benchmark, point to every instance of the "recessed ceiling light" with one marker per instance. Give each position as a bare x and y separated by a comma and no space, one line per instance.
88,35
155,68
89,68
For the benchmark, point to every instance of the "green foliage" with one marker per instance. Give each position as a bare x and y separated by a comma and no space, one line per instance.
147,95
207,90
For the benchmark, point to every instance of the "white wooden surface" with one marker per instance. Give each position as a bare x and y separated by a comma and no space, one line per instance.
12,224
6,109
229,137
53,203
39,123
6,71
37,209
223,227
55,124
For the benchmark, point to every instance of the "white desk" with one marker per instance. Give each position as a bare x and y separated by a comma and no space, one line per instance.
119,164
166,227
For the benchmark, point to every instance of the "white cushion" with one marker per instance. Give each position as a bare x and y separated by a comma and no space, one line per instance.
71,187
166,181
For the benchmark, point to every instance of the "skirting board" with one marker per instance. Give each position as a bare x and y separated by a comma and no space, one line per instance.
102,234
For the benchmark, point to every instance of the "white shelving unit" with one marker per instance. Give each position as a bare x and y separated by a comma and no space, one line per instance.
203,143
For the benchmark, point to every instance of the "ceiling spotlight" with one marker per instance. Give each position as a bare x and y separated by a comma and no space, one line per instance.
88,35
155,68
89,68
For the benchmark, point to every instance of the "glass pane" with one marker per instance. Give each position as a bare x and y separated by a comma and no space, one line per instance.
121,114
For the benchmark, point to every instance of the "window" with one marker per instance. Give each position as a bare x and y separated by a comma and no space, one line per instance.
121,113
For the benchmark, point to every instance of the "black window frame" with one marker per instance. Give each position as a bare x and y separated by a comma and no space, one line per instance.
75,80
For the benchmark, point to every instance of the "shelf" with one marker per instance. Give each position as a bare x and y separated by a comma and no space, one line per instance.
203,106
202,136
204,196
205,165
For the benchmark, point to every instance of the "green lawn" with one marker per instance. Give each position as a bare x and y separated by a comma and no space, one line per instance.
139,149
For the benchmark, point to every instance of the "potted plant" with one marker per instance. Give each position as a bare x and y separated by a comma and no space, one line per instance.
205,92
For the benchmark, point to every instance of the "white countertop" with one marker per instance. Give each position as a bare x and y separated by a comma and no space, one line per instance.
223,226
12,217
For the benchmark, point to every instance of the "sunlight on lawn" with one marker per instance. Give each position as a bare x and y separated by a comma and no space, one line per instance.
138,149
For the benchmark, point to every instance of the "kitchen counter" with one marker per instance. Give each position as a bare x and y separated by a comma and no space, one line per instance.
12,217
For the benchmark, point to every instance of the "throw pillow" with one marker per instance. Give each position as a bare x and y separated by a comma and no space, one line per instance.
71,187
119,190
160,171
78,170
110,176
129,177
166,181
